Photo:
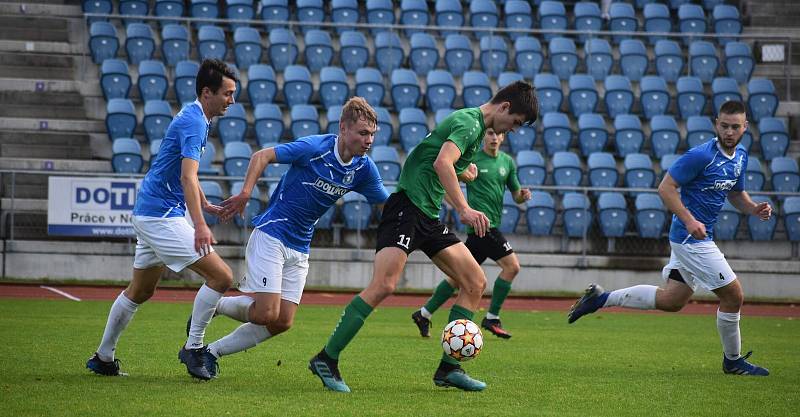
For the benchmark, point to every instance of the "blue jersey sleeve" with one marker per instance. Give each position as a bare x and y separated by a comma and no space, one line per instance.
689,166
300,150
372,186
191,138
740,183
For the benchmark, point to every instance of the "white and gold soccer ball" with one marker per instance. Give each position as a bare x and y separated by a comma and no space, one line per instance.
462,340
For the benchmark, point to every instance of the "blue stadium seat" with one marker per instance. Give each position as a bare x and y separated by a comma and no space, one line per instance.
541,214
691,97
727,222
441,90
356,211
310,11
369,84
120,118
449,13
442,114
174,44
556,132
567,170
675,4
762,230
211,43
333,87
304,121
203,9
458,53
628,134
389,53
654,96
297,86
237,157
213,193
246,47
239,10
592,133
612,214
232,125
726,21
747,140
139,43
619,95
528,56
334,115
578,216
724,89
623,19
385,129
548,89
774,137
168,8
253,207
602,170
583,95
507,77
563,57
552,16
276,11
114,79
413,127
185,76
103,42
127,156
206,158
657,20
664,135
282,49
344,11
133,8
494,55
597,54
483,14
424,55
518,15
791,218
152,80
587,18
650,216
238,84
521,139
633,59
739,61
414,13
325,222
388,162
510,214
155,146
753,176
318,49
703,61
699,130
691,20
99,7
157,117
785,174
261,85
761,98
666,162
639,171
353,52
380,12
709,5
405,89
531,169
669,60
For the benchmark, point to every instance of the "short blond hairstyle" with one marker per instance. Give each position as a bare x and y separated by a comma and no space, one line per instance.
358,109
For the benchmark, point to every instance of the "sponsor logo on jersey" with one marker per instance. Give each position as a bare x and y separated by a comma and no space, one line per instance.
328,188
721,185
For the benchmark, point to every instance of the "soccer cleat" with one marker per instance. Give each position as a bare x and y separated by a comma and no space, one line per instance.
328,372
422,323
101,367
593,298
195,362
211,364
457,378
494,326
742,367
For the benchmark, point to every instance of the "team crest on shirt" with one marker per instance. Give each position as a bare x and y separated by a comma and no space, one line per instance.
202,150
348,177
737,168
502,171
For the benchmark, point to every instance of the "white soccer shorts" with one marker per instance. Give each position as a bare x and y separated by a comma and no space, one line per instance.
700,264
164,240
274,268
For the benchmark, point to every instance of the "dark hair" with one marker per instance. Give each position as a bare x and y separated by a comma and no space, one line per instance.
210,75
732,107
357,109
522,96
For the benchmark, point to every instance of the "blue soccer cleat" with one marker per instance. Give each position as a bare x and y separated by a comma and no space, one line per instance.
593,298
211,364
328,372
742,367
457,378
195,362
101,367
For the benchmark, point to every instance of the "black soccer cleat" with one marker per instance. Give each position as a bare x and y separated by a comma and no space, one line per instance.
101,367
195,362
422,323
494,326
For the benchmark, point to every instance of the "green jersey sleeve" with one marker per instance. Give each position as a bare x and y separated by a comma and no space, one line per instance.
512,182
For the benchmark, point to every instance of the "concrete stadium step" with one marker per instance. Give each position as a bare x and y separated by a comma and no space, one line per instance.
44,104
37,144
51,124
34,28
37,66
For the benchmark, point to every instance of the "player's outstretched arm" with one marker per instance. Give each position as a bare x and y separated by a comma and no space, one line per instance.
445,170
668,190
742,201
191,189
522,195
236,203
469,174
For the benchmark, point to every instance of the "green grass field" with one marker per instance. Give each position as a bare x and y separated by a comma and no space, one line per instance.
604,365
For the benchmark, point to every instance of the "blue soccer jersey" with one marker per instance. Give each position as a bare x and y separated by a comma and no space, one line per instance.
161,192
705,175
317,178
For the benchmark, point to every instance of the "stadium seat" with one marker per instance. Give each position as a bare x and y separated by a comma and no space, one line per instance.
521,138
369,85
650,216
261,85
441,90
587,18
157,117
213,193
552,16
727,222
567,170
528,56
424,55
310,11
442,114
139,43
232,125
99,7
664,135
703,61
304,121
389,53
623,19
726,21
597,54
666,162
578,215
246,47
282,48
297,86
203,9
127,156
388,162
318,49
691,20
541,214
633,59
237,157
724,89
385,129
103,42
345,12
493,55
133,8
556,132
405,89
155,146
656,20
325,222
791,218
152,81
699,130
583,95
739,61
531,169
238,84
168,8
174,44
458,53
380,12
669,60
211,43
761,230
612,214
774,137
449,13
548,89
414,13
747,140
120,118
353,53
518,15
206,158
654,96
483,14
628,134
413,127
675,4
114,79
239,10
619,95
185,76
785,174
592,133
563,57
762,100
754,175
508,77
356,211
709,5
639,171
691,97
253,207
333,87
275,11
510,214
334,115
602,170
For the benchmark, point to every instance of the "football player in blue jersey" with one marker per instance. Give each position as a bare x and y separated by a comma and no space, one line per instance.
165,237
323,169
694,190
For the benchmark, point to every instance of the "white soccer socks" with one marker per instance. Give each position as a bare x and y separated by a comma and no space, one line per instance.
244,337
121,313
236,308
642,297
205,303
728,327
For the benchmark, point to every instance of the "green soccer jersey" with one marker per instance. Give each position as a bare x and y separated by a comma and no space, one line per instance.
485,194
465,128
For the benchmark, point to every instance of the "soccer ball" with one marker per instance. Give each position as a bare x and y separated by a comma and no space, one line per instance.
462,340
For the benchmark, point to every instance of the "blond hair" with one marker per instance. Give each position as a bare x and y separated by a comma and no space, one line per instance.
357,109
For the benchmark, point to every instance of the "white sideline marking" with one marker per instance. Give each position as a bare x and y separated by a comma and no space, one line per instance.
59,292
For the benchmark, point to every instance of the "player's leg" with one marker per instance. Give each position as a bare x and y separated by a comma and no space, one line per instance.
265,310
495,246
422,317
731,298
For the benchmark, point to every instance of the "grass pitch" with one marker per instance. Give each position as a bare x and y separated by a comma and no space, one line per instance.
603,365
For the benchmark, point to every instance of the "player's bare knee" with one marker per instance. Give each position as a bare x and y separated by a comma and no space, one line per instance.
385,288
138,294
672,306
474,284
510,272
263,316
279,327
